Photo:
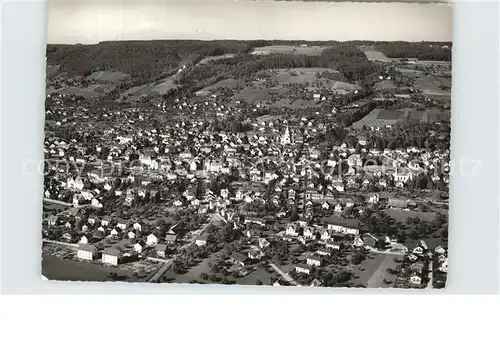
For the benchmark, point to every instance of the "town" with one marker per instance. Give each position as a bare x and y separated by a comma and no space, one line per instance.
254,163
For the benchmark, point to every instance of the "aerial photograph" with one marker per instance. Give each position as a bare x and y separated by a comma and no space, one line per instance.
247,143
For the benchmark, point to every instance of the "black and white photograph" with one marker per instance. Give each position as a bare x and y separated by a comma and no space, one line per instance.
298,144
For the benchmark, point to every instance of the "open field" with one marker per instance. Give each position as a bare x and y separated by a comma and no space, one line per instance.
381,118
377,278
55,268
374,55
108,77
432,84
258,274
306,75
258,93
51,71
208,59
289,49
84,92
296,104
192,274
165,86
225,83
385,85
372,271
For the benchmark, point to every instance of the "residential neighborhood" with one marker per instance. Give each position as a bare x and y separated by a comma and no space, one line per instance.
276,177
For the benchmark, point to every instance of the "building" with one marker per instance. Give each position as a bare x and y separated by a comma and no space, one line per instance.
151,240
170,238
86,252
301,268
111,255
324,251
201,240
313,261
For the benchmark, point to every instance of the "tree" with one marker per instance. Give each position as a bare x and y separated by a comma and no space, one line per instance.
295,214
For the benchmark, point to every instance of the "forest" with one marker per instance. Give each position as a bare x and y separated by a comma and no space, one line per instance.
422,51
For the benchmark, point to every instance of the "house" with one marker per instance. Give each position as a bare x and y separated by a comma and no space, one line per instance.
160,250
201,240
105,221
86,252
131,235
358,242
111,255
238,258
324,251
137,226
139,246
333,243
254,254
170,238
440,250
419,250
301,268
83,240
151,240
92,219
326,234
308,232
113,232
415,279
67,236
412,257
263,243
122,225
313,261
397,203
291,230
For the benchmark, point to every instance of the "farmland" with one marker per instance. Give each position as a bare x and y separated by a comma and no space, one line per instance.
379,118
108,77
288,49
258,94
373,55
225,83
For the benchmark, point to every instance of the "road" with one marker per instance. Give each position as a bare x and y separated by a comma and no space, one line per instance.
284,275
163,269
429,275
72,246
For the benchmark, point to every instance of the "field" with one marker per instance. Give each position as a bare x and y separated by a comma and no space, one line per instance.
306,75
258,274
108,77
372,271
55,268
164,86
192,274
258,93
433,85
288,49
84,92
385,85
208,59
225,83
296,104
374,55
381,118
51,71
